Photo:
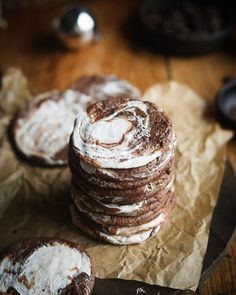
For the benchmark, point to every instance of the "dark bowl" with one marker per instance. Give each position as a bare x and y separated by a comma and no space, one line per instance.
176,45
226,104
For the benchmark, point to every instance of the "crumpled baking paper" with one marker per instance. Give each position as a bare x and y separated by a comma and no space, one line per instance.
33,200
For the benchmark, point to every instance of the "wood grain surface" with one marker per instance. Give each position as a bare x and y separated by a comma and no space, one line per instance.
29,43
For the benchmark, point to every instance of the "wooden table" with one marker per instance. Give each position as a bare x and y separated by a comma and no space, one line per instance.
28,44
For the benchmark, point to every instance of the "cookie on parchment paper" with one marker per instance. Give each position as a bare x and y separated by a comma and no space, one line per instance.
40,131
100,87
45,266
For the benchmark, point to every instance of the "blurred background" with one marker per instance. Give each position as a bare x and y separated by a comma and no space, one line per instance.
181,32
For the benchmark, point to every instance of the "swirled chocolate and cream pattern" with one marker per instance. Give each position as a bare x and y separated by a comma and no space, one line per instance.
43,127
99,87
44,266
122,134
121,156
136,174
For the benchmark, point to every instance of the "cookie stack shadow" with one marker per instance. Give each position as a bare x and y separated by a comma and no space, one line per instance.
121,156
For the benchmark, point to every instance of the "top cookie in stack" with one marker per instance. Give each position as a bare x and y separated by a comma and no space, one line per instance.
121,155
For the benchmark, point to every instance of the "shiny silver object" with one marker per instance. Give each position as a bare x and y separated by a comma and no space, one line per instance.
76,27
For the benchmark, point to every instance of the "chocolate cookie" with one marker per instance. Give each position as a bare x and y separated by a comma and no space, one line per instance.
124,196
135,209
41,130
127,230
120,235
99,87
126,220
141,173
114,179
121,133
45,266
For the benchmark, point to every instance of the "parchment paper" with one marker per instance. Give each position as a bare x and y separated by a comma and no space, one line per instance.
33,200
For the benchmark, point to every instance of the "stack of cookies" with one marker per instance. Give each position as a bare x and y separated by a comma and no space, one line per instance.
121,155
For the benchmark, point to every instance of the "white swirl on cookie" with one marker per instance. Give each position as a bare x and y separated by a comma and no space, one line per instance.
43,129
47,270
121,133
99,87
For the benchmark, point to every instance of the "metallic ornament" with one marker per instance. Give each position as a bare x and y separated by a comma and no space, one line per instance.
76,27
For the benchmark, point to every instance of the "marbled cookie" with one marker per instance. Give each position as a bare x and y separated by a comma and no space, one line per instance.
118,182
41,130
135,209
99,87
141,173
125,220
119,235
45,266
120,133
124,196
